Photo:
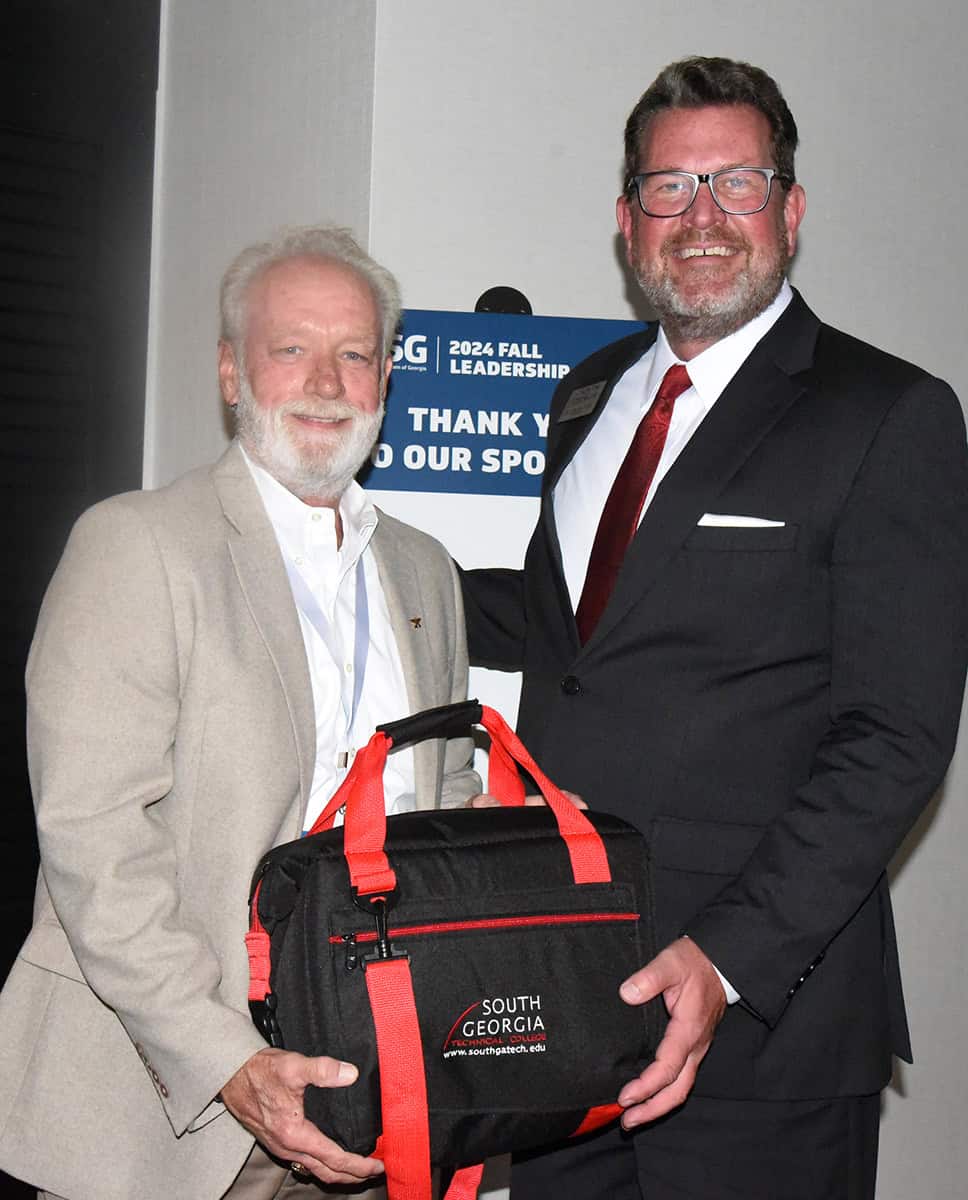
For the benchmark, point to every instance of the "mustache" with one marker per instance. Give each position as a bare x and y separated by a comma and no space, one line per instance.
718,235
333,411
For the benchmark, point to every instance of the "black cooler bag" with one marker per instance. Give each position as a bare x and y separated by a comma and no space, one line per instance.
467,961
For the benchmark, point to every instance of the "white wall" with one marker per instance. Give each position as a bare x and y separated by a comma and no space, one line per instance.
495,158
265,116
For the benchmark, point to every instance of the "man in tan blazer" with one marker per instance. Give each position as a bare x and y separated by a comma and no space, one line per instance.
186,712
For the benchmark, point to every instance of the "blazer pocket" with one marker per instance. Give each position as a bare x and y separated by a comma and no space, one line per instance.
742,537
702,847
47,947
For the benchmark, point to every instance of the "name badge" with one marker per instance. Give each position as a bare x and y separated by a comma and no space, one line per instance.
582,401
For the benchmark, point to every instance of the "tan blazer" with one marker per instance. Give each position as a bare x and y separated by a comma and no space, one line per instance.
171,743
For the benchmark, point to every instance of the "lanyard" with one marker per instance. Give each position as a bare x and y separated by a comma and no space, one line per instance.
308,605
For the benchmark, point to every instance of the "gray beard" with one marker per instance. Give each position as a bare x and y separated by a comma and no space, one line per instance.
712,319
321,476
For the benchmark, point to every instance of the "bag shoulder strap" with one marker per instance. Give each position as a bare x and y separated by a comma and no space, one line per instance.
405,1142
403,1084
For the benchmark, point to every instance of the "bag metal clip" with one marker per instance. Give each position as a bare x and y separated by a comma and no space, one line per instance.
379,907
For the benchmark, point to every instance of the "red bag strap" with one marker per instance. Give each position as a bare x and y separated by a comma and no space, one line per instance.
257,947
465,1183
403,1084
503,778
589,862
405,1141
366,821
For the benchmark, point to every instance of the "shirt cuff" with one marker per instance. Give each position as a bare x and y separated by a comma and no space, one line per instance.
732,995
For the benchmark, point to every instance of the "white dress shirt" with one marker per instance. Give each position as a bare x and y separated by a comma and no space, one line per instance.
583,488
307,539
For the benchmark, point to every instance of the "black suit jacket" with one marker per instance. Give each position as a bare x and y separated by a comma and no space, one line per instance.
773,706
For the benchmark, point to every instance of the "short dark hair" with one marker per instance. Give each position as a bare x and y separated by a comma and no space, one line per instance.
697,82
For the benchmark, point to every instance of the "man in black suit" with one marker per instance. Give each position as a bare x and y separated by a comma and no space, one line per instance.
742,626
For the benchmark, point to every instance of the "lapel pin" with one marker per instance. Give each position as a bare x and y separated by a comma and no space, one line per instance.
416,622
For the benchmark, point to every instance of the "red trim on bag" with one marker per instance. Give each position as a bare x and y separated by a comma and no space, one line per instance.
595,1118
465,1183
257,946
491,923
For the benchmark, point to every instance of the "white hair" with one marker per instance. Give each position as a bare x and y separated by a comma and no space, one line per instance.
328,242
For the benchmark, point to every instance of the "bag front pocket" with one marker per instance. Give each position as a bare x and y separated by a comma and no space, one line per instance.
518,1007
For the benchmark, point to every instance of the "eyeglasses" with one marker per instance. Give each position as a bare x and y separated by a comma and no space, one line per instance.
739,191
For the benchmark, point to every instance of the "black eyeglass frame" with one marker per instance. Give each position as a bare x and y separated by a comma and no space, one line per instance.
708,178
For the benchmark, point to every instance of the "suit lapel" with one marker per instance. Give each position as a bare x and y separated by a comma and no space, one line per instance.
418,651
401,588
760,393
573,421
580,408
262,578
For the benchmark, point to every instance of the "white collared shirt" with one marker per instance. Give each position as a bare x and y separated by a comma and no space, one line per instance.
307,539
583,488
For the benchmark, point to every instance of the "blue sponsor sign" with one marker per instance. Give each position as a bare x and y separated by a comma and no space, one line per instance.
469,395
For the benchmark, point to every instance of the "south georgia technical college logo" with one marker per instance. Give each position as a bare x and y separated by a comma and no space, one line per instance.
496,1026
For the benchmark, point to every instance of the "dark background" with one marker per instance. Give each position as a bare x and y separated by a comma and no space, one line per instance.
77,114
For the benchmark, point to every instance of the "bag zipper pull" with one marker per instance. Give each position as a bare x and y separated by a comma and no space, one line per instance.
352,958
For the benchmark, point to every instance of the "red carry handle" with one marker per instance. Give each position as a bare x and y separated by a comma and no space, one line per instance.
362,795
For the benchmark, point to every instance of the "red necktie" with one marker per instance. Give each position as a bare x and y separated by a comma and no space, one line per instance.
620,516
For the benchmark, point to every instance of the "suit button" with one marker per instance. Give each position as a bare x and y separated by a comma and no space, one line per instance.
571,685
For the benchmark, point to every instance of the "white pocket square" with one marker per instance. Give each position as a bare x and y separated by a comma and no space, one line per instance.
728,521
